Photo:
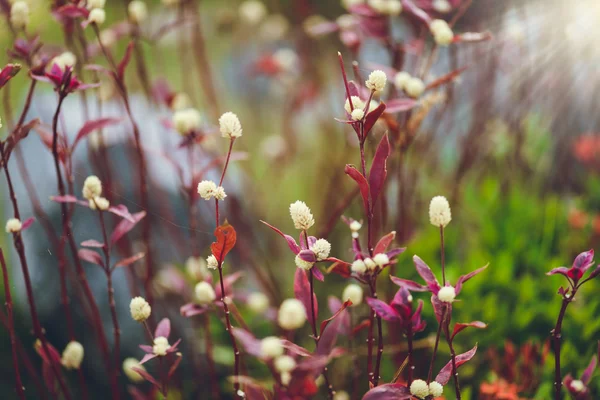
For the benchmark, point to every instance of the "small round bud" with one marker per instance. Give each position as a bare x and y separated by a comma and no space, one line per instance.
301,215
414,87
96,4
161,345
180,101
286,377
341,395
381,259
357,114
140,309
220,193
212,262
284,363
92,187
441,31
354,293
357,103
371,265
302,264
447,294
292,314
441,6
230,126
97,16
19,14
196,268
186,121
205,294
401,79
394,7
66,59
271,347
133,376
436,389
439,211
419,388
577,385
321,248
99,203
252,11
358,267
207,189
258,302
376,81
138,11
355,226
13,225
72,355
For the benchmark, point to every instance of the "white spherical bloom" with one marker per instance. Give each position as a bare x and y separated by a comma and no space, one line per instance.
13,225
138,11
371,265
258,302
96,4
205,294
401,79
161,345
357,114
72,355
447,294
97,16
437,24
443,36
321,248
66,59
207,189
419,388
140,309
185,121
286,377
196,268
414,87
220,193
378,5
341,395
349,3
284,363
394,7
354,293
358,267
436,389
346,21
301,215
376,81
19,14
275,27
271,347
100,203
180,101
252,11
355,226
92,187
356,103
381,259
287,59
292,314
441,6
133,376
211,262
577,385
439,211
302,264
230,126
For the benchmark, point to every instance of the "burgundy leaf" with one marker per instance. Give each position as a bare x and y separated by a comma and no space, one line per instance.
395,252
192,309
341,268
384,243
425,272
308,256
318,274
8,72
388,391
440,309
458,327
92,243
130,260
445,78
147,357
302,293
383,310
122,211
330,329
163,328
584,260
400,105
560,270
91,126
373,116
250,343
290,240
27,223
363,185
334,305
64,199
90,256
594,273
174,367
444,376
146,375
378,170
125,61
466,277
125,226
294,348
587,374
410,285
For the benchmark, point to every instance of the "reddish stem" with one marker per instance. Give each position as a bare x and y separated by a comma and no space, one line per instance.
229,329
556,336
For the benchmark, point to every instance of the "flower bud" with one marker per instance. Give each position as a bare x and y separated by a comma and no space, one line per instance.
161,345
376,81
354,293
271,347
414,87
371,265
321,248
230,126
186,121
302,264
97,16
13,225
439,212
138,11
284,363
436,389
301,215
357,103
92,187
99,203
381,259
258,302
419,388
66,59
207,189
358,267
19,14
252,11
357,114
212,262
133,376
292,314
140,309
401,79
72,355
447,294
205,294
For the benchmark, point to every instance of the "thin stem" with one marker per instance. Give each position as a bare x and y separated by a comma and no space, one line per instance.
454,369
228,328
435,347
376,376
556,336
443,256
223,177
409,338
212,373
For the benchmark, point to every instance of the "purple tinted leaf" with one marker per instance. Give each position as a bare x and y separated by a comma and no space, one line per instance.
125,61
372,118
250,343
445,78
91,126
334,305
587,374
125,226
92,243
353,89
147,358
145,374
318,274
584,260
388,391
444,376
382,309
308,256
27,223
174,367
330,329
384,243
191,309
129,260
460,326
410,285
400,105
440,309
363,185
294,348
163,328
90,256
290,240
466,277
594,273
395,252
64,199
311,241
559,270
302,292
122,211
425,272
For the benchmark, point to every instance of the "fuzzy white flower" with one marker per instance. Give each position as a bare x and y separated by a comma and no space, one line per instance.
287,59
441,6
439,211
436,389
180,101
19,14
99,203
447,294
271,347
292,314
196,268
358,267
161,345
220,193
577,385
419,388
13,225
92,187
284,363
354,293
72,355
207,189
401,79
349,3
133,376
301,215
66,59
414,87
187,120
341,395
286,377
230,126
205,294
211,262
381,259
357,103
96,4
346,21
252,11
441,31
303,264
140,309
321,248
97,16
258,302
371,265
138,11
355,226
376,81
357,114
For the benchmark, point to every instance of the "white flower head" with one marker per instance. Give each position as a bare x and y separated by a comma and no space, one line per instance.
19,14
381,259
357,114
286,377
211,262
205,294
439,211
161,345
92,187
252,11
99,203
72,355
376,81
140,309
196,268
287,59
13,225
97,16
355,226
207,189
180,101
346,21
341,395
358,267
371,265
230,126
95,4
414,87
357,103
441,6
302,264
138,11
436,389
133,376
321,248
284,363
271,347
447,294
441,31
258,302
350,3
187,120
66,59
292,314
394,7
354,293
419,388
301,215
401,79
220,193
577,385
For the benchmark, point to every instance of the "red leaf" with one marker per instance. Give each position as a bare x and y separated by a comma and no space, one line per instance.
72,11
400,105
27,223
410,285
459,327
122,211
294,348
92,243
91,126
8,72
378,170
362,325
125,226
251,344
466,277
302,293
90,256
146,376
335,304
373,116
129,260
226,238
425,272
330,329
445,78
363,185
123,64
341,268
383,309
384,243
444,376
388,391
587,374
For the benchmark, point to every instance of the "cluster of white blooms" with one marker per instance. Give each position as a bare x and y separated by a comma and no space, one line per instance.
301,215
441,31
447,294
441,6
72,355
161,345
292,314
230,126
436,389
186,120
376,81
205,294
19,14
419,388
284,363
92,187
412,86
381,260
271,347
321,248
439,212
355,227
208,189
252,11
358,267
63,60
258,302
354,293
137,10
97,16
577,385
140,309
387,7
357,114
211,262
13,225
133,376
303,264
99,203
357,103
370,264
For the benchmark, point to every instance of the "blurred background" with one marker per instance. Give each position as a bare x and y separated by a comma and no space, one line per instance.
513,142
